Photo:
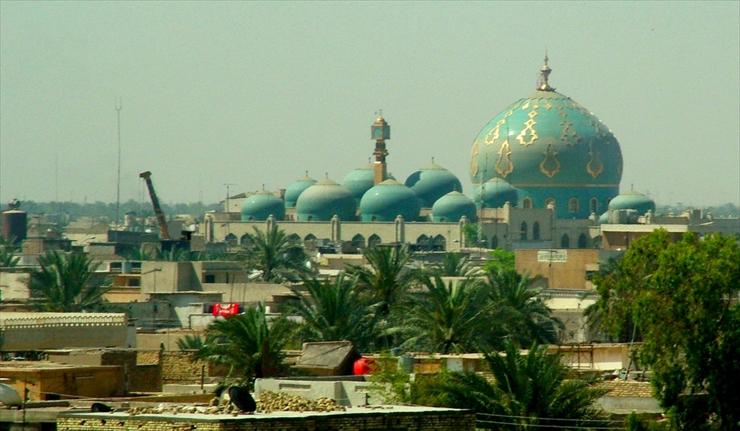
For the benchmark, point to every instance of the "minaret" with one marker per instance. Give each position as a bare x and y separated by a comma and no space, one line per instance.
380,131
542,83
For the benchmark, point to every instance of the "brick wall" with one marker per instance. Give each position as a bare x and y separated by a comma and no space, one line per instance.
421,420
179,367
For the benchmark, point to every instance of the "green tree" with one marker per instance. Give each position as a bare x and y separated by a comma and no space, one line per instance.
248,344
65,282
333,310
454,265
8,259
500,261
526,391
447,317
521,310
683,297
387,276
276,256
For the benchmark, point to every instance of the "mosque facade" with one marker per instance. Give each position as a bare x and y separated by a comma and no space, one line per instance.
544,169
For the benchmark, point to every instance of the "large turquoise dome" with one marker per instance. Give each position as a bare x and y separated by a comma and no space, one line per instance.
295,189
632,201
452,206
431,183
260,205
323,200
359,180
495,193
553,149
387,200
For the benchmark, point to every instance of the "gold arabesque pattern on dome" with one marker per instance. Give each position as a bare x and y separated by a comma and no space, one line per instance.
474,159
504,165
594,167
550,165
528,135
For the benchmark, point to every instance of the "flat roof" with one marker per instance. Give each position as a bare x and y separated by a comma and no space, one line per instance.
204,417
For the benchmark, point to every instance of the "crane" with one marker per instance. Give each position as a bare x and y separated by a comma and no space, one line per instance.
164,233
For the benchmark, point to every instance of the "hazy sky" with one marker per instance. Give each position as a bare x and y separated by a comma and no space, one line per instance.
253,93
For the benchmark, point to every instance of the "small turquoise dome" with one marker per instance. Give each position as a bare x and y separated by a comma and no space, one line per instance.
496,192
452,206
261,205
359,181
432,182
632,201
323,200
294,190
387,200
604,218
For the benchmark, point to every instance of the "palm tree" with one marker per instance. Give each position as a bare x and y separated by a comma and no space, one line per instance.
333,310
386,278
190,343
448,317
526,390
247,344
8,259
278,257
64,282
527,319
455,265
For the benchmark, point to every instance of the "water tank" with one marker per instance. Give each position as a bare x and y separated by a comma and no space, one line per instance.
15,225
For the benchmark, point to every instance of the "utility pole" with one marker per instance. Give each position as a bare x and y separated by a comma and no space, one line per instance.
118,107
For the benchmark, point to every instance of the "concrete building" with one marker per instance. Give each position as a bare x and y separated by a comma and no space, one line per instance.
38,331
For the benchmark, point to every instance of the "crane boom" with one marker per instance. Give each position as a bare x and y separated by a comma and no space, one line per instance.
164,233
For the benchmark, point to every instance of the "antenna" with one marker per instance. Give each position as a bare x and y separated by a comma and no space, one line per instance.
118,106
228,185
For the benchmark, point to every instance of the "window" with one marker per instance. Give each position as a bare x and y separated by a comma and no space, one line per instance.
494,242
246,240
536,231
593,206
573,205
565,241
550,202
582,241
523,231
358,241
210,278
439,243
527,203
230,239
373,241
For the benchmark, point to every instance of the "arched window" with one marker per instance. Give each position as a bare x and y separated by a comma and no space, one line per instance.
309,238
573,205
294,238
582,241
230,239
536,231
373,241
523,231
494,242
593,206
246,240
565,241
550,202
439,243
527,203
423,242
358,241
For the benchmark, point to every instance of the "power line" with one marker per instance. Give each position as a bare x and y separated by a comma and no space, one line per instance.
571,427
541,418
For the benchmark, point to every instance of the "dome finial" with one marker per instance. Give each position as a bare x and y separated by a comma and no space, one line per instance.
542,82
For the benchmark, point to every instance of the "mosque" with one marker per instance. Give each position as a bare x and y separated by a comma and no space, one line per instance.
544,170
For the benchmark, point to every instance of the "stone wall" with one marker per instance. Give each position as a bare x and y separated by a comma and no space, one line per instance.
417,419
